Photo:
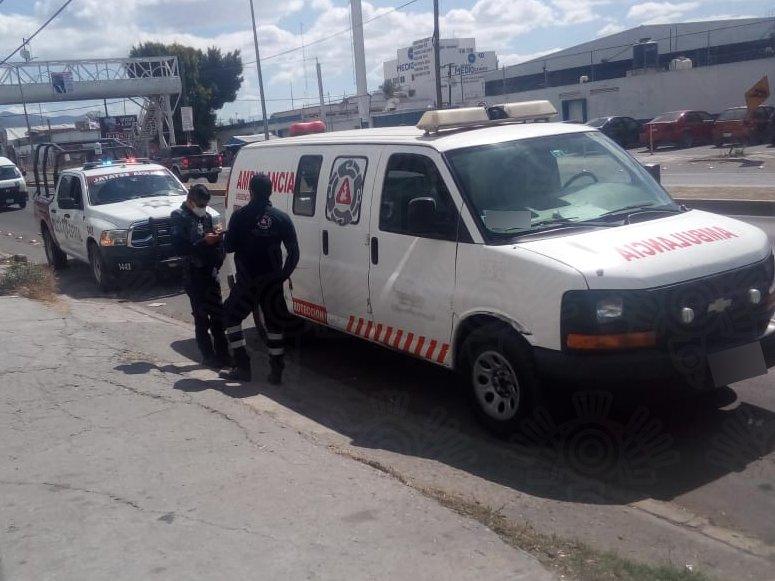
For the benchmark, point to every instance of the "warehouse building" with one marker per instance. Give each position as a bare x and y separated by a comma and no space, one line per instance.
647,70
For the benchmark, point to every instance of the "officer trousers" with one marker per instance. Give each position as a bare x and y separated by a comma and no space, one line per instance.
245,296
204,292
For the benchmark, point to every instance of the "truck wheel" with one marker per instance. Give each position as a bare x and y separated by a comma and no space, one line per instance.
499,370
54,255
23,204
212,179
102,277
687,141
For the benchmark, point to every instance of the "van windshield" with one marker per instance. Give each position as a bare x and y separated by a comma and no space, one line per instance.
527,185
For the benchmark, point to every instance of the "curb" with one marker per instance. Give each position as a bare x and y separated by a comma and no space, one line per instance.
763,208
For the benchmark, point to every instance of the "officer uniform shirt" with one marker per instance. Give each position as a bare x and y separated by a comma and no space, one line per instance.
188,232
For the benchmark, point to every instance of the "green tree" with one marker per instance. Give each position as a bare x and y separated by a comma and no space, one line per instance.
210,79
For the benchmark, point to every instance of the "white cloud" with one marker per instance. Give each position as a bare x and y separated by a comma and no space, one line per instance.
660,12
509,59
610,28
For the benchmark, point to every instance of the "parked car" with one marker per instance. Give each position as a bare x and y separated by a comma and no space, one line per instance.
679,128
738,125
13,188
623,130
189,161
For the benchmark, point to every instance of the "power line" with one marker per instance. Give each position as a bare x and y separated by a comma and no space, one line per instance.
42,26
335,34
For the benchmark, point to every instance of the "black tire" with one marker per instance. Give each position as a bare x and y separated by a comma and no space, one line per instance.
212,179
56,258
177,174
23,204
687,141
105,281
498,369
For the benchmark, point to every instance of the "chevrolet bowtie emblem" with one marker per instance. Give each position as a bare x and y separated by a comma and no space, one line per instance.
719,305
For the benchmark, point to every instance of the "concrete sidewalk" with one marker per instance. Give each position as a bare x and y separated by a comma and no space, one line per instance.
114,467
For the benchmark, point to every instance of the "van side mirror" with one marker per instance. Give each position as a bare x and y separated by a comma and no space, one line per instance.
655,170
421,216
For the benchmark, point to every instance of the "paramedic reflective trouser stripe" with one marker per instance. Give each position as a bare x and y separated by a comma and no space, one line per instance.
235,337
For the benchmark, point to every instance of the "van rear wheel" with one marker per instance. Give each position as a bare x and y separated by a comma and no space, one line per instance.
502,383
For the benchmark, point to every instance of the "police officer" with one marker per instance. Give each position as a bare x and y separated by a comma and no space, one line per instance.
201,246
255,235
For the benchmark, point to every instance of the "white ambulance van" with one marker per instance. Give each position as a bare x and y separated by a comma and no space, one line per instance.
516,251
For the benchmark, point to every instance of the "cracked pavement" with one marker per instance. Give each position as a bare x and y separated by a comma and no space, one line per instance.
108,469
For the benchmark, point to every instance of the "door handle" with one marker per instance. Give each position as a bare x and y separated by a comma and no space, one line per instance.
67,215
325,242
53,211
374,250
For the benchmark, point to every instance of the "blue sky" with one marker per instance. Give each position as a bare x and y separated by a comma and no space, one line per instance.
516,29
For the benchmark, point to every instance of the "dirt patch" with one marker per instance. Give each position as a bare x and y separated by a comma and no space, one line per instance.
33,281
567,558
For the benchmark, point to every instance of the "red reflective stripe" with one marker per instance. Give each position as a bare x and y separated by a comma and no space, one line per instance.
368,330
378,332
350,324
431,349
408,342
420,343
388,334
358,328
397,342
443,353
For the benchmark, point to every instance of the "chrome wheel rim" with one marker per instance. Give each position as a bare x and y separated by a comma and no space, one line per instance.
496,386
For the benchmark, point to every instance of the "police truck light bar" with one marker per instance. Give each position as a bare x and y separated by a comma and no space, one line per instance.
434,121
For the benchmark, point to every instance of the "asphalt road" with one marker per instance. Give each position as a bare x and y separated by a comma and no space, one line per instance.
726,471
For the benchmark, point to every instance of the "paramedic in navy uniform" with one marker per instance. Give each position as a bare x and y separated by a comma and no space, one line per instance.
255,235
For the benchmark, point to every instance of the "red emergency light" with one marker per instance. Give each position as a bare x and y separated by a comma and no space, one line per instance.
307,128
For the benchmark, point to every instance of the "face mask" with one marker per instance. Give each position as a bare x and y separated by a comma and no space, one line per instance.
200,212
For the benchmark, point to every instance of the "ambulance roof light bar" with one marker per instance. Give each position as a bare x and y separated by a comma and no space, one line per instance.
435,121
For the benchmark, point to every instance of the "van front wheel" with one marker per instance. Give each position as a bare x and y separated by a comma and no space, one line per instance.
502,381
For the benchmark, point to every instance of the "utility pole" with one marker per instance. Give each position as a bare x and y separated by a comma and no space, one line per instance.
24,104
258,69
449,85
436,54
320,92
359,54
105,102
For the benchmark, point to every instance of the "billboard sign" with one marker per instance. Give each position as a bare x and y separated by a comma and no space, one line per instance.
187,118
118,127
62,83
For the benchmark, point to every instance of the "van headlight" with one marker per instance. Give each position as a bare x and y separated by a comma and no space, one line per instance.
609,309
114,237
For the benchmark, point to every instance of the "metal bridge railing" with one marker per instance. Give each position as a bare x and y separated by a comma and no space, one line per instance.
39,72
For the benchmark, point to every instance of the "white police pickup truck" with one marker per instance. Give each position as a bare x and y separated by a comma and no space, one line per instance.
516,253
113,215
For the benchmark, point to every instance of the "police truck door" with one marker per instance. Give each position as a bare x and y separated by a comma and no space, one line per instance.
344,232
414,233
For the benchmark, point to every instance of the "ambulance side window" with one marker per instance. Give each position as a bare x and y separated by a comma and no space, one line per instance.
305,190
410,177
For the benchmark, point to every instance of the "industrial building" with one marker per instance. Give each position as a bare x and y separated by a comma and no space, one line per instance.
647,70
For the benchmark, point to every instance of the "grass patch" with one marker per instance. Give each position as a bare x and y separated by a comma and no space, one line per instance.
33,281
569,559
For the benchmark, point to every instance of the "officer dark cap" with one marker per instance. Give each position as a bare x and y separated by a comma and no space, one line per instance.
261,185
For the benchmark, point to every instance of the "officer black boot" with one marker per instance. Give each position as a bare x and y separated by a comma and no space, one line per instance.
276,366
241,370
